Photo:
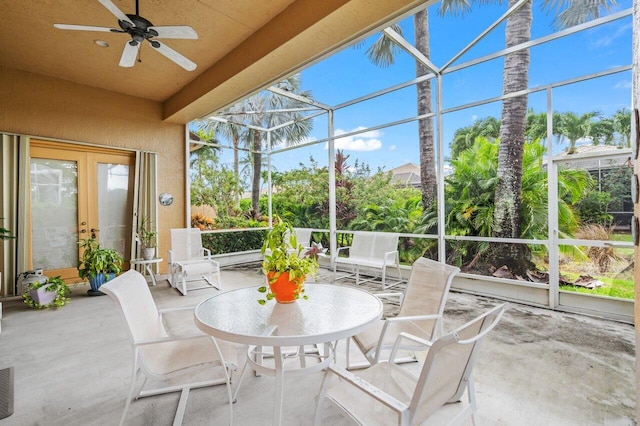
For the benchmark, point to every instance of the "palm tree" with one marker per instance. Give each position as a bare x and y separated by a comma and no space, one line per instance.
602,131
515,78
465,137
574,127
470,200
382,53
229,130
537,125
261,110
622,126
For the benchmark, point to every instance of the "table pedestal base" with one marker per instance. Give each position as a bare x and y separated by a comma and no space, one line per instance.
255,360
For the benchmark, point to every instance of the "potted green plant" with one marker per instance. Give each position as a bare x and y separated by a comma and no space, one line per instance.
98,264
51,293
284,264
146,235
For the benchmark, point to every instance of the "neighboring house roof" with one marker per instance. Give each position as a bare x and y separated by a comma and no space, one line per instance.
407,175
590,157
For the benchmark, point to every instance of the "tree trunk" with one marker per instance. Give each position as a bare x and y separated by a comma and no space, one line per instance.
257,171
512,135
425,126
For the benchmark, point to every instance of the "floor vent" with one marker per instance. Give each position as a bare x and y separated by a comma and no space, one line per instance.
6,392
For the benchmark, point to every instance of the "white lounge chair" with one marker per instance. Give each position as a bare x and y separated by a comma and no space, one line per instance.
189,261
303,237
371,250
421,310
387,393
157,355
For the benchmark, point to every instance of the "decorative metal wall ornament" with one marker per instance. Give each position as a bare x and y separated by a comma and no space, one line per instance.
165,199
635,228
635,188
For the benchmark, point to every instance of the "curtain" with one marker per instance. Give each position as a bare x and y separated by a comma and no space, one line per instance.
14,167
146,198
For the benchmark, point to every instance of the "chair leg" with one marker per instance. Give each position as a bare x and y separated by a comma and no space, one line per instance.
213,283
471,391
182,406
320,398
384,277
183,289
134,377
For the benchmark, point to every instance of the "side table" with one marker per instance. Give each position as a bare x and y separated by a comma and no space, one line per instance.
147,266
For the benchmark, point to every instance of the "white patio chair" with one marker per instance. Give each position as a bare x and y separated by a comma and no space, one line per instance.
374,251
194,360
387,393
421,310
189,261
303,237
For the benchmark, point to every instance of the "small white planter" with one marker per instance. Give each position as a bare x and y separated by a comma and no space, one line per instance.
42,296
148,253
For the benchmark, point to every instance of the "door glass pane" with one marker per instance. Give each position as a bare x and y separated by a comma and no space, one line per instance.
113,208
54,208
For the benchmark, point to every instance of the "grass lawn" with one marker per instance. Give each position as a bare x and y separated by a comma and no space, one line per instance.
618,281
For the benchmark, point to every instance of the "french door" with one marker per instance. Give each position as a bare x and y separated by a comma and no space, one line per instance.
76,194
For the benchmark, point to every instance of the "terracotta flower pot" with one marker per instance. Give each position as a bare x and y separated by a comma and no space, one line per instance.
284,289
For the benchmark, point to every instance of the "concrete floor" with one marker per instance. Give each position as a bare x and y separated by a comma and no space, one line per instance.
538,367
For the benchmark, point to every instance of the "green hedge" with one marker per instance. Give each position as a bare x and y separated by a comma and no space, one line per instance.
232,242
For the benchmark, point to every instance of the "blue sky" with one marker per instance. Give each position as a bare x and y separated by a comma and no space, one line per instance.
348,74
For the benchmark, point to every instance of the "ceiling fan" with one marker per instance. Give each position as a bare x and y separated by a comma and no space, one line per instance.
141,29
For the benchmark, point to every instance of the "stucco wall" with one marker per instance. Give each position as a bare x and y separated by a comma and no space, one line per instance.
46,107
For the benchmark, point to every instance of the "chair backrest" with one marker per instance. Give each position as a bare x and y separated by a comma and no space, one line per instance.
449,365
427,288
303,236
131,292
186,244
373,245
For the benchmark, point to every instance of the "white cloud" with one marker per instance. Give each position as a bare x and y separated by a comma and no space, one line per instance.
392,148
625,84
610,37
474,118
366,141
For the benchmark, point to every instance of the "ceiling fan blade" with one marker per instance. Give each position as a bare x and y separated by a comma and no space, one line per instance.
129,54
175,31
117,12
85,28
174,56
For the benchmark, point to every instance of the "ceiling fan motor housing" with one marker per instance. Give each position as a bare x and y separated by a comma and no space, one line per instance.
139,31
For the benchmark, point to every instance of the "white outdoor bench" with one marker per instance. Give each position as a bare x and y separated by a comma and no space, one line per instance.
371,250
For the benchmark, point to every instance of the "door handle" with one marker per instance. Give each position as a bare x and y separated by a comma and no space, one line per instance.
93,232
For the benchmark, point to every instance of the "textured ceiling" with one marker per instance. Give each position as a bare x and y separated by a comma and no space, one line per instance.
242,44
31,43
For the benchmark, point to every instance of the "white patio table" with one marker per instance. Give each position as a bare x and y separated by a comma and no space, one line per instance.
330,313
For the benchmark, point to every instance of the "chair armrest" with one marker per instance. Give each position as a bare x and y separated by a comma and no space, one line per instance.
415,318
388,322
400,296
161,312
367,388
424,344
184,308
206,252
390,255
342,248
170,339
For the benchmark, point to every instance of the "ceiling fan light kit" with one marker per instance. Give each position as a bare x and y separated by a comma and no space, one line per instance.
141,29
